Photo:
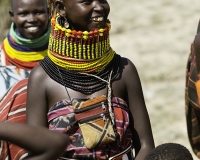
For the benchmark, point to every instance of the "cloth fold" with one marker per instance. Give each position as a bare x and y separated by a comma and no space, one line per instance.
192,105
13,109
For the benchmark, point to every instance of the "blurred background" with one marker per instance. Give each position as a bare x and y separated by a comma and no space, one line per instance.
156,35
4,18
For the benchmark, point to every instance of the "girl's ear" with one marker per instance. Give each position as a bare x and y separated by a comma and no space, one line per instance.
11,15
60,8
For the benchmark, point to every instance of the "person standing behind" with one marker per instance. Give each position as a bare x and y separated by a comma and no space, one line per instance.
25,45
192,94
26,42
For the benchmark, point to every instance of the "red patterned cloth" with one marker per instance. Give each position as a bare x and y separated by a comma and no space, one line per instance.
13,109
62,119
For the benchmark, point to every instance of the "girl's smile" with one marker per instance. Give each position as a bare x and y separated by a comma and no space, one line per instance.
84,14
30,17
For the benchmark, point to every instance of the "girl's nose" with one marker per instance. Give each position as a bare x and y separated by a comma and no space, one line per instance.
31,18
97,6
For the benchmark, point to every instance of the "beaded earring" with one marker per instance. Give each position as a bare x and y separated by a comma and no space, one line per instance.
66,24
63,21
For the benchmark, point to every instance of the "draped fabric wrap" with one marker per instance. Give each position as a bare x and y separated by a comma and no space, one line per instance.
61,118
192,103
13,109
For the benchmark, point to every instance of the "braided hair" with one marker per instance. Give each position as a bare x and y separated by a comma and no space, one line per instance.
169,151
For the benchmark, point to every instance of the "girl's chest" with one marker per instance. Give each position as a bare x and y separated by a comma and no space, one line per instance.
56,92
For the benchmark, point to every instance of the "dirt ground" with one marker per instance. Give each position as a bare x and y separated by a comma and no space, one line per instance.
156,35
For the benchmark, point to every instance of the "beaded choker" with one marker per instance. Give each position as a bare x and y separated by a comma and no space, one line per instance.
24,53
79,50
77,44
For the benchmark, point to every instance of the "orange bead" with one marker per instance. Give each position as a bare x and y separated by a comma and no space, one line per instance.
79,32
96,33
74,32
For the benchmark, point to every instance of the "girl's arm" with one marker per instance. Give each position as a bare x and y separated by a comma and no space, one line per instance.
42,143
37,103
141,127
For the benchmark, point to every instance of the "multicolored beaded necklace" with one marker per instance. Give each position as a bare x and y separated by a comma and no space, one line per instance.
24,53
73,52
77,50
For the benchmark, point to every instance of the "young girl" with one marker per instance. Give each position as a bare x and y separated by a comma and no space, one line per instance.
26,42
87,90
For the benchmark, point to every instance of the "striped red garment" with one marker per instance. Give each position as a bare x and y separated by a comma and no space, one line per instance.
13,109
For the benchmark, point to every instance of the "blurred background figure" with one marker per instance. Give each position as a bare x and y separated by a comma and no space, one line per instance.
170,151
192,95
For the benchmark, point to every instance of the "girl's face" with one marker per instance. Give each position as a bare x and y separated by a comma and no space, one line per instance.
30,17
86,14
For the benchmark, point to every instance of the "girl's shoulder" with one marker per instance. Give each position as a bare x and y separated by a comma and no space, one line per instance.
127,66
38,75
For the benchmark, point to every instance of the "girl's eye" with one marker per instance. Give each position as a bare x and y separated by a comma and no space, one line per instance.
90,1
40,12
22,14
86,1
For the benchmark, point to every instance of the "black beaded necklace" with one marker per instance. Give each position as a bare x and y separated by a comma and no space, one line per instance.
80,82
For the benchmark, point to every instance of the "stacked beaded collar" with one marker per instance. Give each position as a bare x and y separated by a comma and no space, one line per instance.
79,50
24,53
81,61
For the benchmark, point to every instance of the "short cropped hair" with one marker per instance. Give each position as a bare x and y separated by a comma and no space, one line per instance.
169,151
12,3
